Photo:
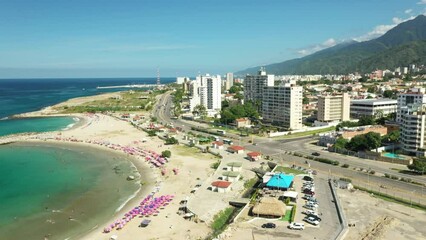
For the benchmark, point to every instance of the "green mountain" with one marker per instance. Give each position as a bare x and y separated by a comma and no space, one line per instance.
400,46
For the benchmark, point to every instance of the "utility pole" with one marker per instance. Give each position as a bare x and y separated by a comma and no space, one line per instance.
158,77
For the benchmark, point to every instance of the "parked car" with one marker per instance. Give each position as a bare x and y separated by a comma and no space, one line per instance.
269,225
313,201
308,178
311,220
316,153
311,207
310,198
296,226
311,188
312,204
315,216
308,191
309,212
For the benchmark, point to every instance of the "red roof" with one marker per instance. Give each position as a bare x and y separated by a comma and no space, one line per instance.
236,148
254,154
221,184
218,143
241,119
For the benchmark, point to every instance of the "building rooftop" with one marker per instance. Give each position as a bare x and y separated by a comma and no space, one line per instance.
218,143
280,181
236,148
374,101
254,154
221,184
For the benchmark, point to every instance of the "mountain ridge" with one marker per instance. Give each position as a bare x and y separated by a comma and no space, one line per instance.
354,56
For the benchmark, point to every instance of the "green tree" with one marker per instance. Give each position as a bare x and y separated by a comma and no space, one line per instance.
200,110
166,153
152,133
340,143
251,110
419,165
305,100
371,89
366,120
373,140
171,141
227,117
364,142
237,87
389,94
391,137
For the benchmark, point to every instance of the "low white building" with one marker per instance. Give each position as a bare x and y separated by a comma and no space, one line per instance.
373,107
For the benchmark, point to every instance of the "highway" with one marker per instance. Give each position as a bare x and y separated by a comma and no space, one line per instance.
277,149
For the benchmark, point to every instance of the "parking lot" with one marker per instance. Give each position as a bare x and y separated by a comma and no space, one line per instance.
328,227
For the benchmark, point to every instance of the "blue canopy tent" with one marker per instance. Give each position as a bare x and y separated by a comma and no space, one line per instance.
280,181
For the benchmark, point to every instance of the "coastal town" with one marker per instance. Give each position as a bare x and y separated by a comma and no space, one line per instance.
263,172
213,120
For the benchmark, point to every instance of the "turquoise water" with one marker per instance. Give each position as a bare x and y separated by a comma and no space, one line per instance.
43,186
393,155
21,125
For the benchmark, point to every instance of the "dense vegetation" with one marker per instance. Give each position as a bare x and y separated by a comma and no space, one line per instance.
402,45
231,112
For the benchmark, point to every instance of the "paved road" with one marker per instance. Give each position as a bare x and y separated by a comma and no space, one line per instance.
306,146
276,148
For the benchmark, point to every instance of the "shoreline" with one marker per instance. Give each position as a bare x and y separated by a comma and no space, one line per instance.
98,129
147,177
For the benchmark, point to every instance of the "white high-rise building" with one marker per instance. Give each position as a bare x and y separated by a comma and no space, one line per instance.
411,116
334,108
282,105
413,126
415,96
229,81
206,90
254,85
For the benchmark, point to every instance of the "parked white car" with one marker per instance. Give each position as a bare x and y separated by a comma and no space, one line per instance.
311,220
296,226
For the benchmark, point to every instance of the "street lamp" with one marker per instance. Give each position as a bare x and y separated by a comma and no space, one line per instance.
411,202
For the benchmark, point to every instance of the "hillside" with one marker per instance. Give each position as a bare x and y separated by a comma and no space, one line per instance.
399,46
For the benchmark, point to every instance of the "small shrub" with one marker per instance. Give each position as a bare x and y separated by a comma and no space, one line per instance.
293,213
287,201
166,153
394,177
346,180
372,172
387,175
215,165
345,165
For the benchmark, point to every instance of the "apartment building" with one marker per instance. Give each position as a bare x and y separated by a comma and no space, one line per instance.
373,107
206,90
254,85
229,81
412,125
282,105
413,97
333,108
411,116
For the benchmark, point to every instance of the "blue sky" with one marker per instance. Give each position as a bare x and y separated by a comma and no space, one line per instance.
124,38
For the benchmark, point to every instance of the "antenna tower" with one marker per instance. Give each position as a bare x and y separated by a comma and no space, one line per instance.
158,76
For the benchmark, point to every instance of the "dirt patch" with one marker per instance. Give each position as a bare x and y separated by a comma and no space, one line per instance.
378,229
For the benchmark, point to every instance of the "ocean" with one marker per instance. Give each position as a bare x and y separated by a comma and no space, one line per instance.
26,95
60,191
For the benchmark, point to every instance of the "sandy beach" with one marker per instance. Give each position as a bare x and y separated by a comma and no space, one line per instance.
94,129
